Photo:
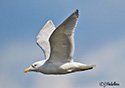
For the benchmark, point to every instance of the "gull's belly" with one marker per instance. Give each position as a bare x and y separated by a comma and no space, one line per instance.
53,69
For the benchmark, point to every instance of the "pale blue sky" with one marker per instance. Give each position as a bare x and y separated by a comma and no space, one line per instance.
99,39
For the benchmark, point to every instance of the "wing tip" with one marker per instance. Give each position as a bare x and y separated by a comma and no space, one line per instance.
51,22
76,13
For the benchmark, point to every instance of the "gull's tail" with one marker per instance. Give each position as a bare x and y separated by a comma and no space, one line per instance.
87,67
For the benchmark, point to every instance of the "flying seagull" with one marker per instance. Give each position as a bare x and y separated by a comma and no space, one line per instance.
58,46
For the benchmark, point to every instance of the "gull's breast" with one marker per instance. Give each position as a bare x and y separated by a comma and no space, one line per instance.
54,68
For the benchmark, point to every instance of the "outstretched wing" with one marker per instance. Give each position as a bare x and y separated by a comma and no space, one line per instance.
43,37
62,40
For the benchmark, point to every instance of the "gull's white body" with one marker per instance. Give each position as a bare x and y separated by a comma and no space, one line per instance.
58,45
60,68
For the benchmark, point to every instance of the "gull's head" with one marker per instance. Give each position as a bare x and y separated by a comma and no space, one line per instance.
34,67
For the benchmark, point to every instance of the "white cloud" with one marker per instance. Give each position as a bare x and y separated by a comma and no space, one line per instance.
109,59
51,81
8,82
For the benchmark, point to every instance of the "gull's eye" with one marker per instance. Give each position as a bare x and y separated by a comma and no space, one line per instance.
35,64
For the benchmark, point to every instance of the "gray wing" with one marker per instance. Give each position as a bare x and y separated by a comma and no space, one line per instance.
62,40
43,37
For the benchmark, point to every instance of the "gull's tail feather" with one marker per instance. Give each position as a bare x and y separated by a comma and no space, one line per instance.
87,67
93,65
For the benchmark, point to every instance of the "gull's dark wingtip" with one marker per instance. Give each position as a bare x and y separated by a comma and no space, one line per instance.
77,11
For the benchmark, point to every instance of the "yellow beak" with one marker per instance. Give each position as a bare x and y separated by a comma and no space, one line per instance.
26,70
